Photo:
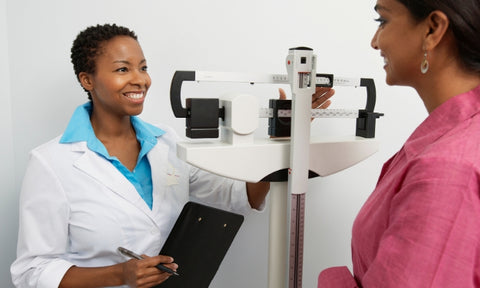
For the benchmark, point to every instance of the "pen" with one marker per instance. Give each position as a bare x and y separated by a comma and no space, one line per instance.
134,255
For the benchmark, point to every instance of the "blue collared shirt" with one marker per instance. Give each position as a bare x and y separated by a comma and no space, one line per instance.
80,129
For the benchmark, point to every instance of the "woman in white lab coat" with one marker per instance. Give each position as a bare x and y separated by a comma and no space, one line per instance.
111,179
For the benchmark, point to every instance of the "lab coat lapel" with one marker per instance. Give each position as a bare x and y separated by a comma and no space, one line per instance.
103,171
158,158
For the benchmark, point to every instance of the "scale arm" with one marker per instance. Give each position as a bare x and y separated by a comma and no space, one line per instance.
369,84
175,92
367,117
203,114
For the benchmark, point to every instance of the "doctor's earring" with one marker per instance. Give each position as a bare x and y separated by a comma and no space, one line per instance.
424,66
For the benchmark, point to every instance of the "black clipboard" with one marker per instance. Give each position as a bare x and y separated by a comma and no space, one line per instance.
198,243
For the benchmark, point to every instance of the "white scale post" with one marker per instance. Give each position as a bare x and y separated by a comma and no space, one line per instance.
301,68
238,155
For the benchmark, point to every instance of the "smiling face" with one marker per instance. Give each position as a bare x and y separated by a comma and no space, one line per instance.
120,82
399,38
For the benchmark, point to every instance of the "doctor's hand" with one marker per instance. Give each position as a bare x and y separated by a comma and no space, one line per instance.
143,273
320,99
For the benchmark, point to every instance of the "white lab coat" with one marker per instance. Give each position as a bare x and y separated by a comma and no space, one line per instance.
76,208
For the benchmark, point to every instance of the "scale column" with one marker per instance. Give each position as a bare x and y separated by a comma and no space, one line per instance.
301,67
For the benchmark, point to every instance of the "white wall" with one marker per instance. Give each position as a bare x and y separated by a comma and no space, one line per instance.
39,93
9,198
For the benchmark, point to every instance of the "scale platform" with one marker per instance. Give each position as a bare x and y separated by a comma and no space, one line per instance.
327,156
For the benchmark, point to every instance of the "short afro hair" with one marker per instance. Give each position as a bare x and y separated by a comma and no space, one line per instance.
88,44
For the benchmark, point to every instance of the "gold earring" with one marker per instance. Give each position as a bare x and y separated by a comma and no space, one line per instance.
424,66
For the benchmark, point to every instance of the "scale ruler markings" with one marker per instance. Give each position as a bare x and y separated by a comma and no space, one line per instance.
297,223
